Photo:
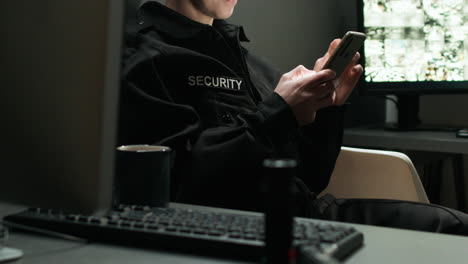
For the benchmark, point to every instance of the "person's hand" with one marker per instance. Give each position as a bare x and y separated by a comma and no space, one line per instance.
306,91
344,85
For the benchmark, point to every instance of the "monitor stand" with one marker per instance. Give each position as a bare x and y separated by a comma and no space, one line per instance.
8,254
408,114
408,117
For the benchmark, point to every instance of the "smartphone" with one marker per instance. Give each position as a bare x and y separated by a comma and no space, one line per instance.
344,53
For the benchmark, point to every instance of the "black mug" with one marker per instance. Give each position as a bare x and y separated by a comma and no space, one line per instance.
142,175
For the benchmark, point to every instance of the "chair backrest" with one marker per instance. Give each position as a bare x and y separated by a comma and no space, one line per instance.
365,173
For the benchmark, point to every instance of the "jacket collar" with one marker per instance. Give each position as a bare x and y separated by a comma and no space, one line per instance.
153,14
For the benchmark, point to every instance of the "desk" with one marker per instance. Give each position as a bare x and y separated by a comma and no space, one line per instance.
434,141
430,141
382,245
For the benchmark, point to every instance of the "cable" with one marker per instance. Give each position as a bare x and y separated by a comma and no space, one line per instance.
46,232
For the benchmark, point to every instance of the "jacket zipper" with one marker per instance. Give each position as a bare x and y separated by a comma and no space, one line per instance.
254,93
249,85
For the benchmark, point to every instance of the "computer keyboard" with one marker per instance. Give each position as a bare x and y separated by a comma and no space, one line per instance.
198,231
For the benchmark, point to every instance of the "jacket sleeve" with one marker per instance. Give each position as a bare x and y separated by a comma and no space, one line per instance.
319,147
315,146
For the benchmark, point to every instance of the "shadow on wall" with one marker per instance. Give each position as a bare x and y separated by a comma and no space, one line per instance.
291,33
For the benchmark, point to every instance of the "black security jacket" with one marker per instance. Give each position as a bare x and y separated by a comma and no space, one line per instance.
193,87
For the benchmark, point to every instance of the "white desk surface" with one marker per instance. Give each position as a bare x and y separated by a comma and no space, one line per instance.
382,245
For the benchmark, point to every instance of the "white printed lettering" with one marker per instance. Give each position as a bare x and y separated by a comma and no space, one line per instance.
238,82
199,80
191,80
222,82
231,83
215,82
208,81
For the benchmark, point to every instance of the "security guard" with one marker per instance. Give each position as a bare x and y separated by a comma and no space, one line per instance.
190,84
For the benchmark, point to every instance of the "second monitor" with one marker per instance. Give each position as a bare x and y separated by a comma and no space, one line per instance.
60,83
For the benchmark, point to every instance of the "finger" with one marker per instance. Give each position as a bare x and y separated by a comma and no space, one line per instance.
319,63
356,73
297,72
357,70
325,90
327,100
318,94
353,62
331,48
346,84
352,74
315,79
333,45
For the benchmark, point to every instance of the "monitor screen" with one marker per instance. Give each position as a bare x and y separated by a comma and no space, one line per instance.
60,64
415,46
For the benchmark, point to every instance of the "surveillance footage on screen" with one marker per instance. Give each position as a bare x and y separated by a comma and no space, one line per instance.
416,40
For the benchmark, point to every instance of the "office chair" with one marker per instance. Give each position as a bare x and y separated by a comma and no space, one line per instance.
378,174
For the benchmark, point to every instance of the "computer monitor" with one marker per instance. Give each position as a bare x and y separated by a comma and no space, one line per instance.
60,68
414,48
